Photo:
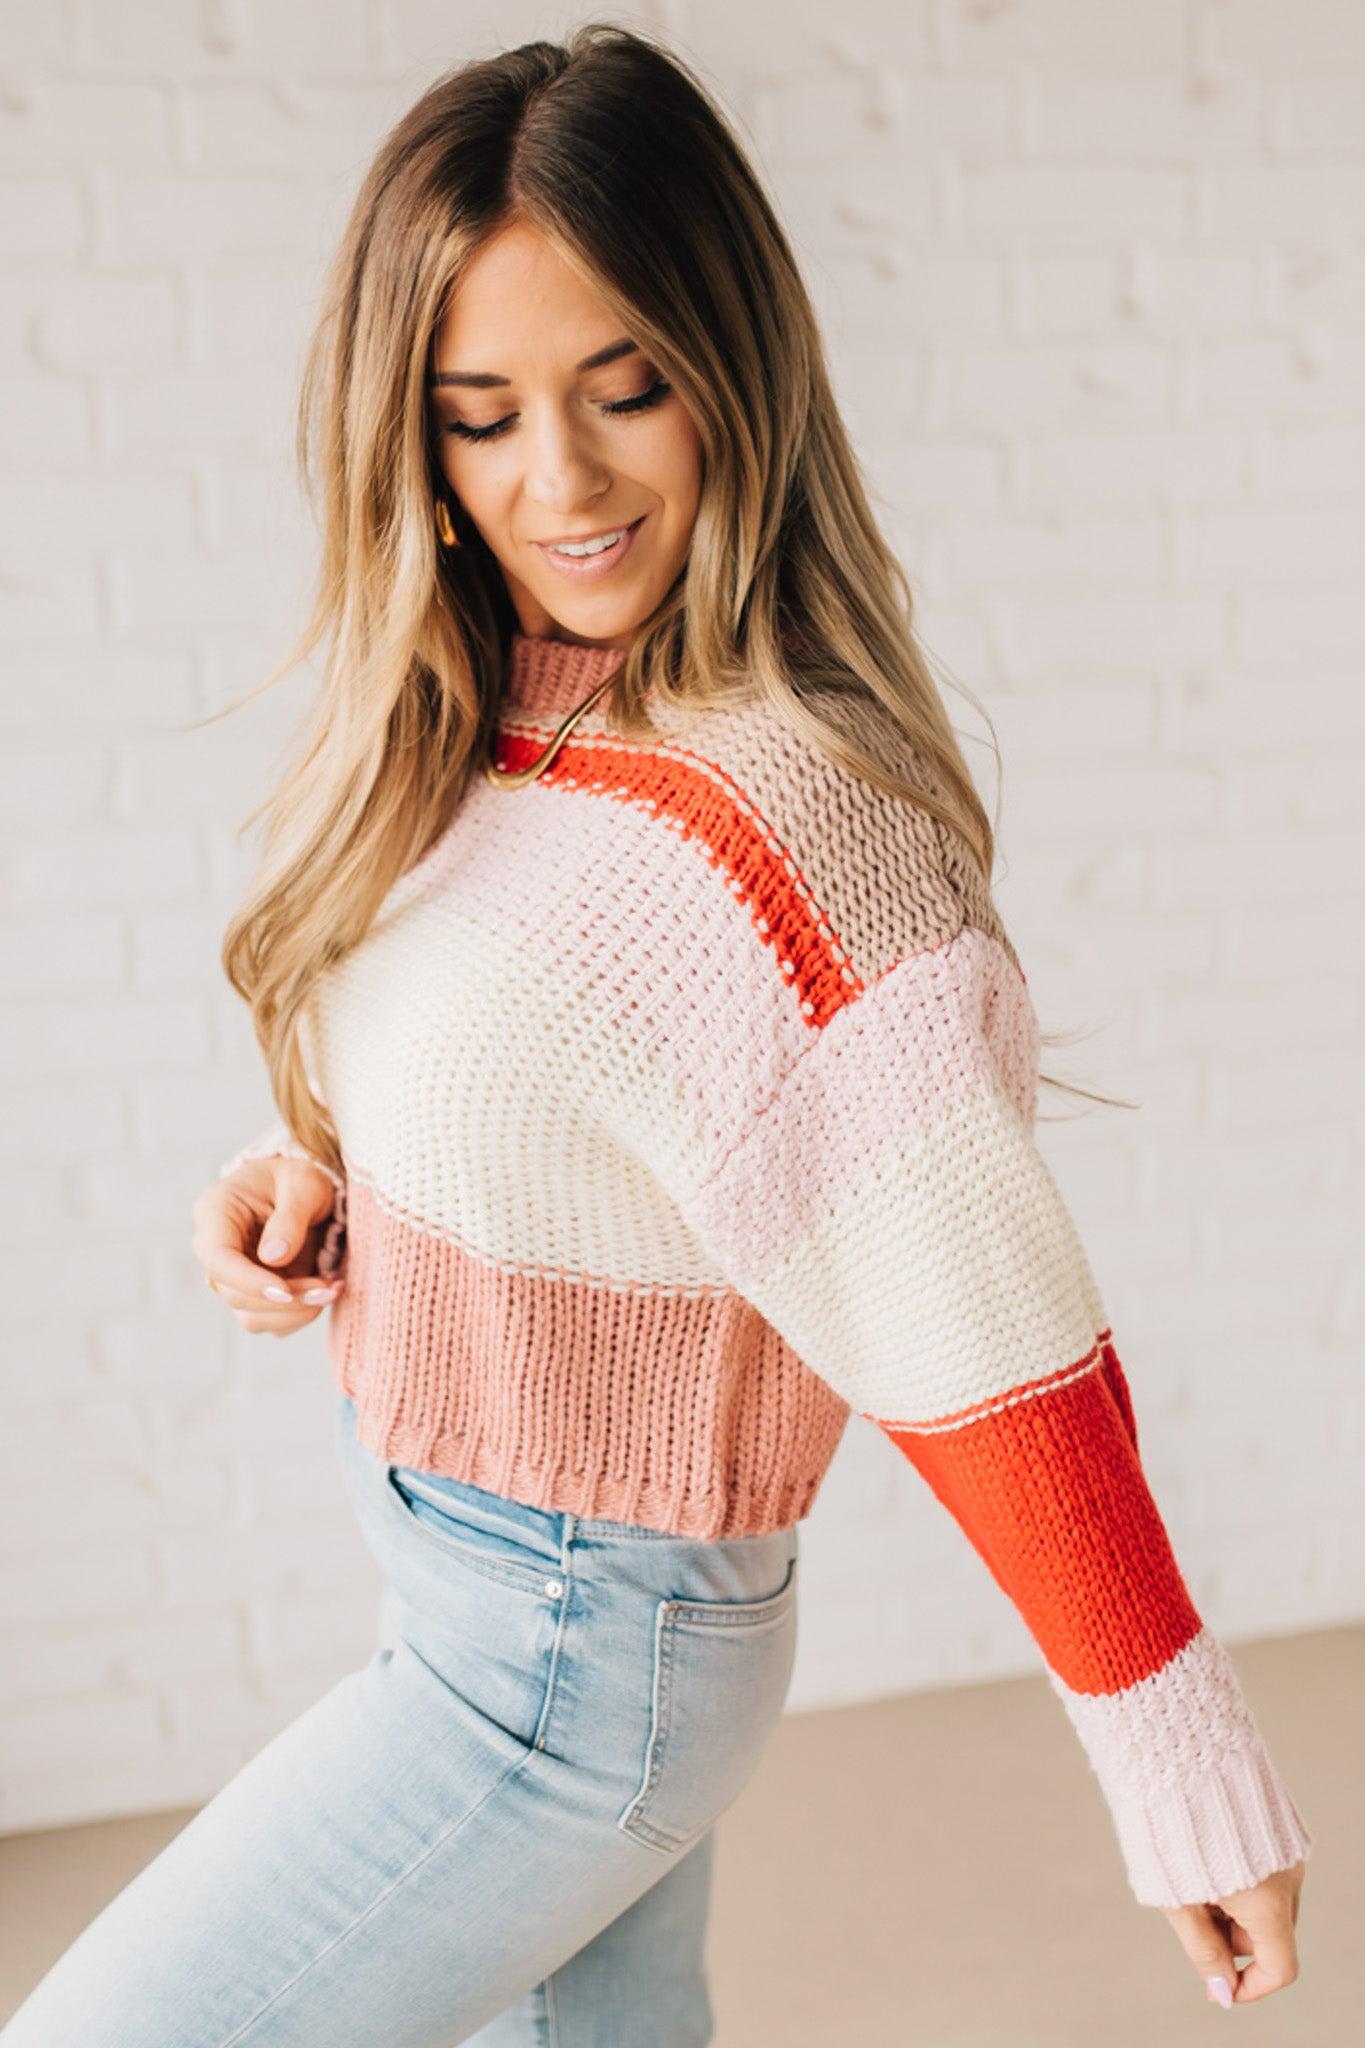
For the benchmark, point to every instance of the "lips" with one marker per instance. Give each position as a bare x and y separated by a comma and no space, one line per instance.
600,564
564,540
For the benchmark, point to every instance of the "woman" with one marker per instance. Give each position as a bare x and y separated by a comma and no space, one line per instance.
657,1084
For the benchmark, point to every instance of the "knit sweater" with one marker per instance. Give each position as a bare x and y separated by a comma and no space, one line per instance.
686,1097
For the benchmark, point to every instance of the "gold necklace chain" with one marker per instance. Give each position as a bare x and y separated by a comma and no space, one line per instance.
513,778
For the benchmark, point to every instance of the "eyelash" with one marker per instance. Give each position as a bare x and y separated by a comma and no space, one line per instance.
657,390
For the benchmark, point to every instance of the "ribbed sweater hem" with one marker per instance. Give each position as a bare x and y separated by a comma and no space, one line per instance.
593,1495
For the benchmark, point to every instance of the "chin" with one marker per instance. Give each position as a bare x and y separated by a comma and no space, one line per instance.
603,620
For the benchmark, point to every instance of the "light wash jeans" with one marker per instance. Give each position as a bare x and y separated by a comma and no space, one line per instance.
498,1830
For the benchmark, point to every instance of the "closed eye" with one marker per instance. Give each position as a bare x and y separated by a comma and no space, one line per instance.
616,407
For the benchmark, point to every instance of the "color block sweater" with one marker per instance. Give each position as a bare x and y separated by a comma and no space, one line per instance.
686,1096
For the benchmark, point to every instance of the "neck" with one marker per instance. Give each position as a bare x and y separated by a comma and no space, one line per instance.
550,678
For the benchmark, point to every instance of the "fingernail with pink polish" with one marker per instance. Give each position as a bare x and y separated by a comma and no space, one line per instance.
1221,1990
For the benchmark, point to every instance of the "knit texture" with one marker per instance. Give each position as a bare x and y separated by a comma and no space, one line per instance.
686,1096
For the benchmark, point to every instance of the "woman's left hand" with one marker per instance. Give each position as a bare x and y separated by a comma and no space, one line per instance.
1258,1923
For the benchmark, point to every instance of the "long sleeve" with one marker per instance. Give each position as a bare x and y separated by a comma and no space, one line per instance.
278,1141
889,1213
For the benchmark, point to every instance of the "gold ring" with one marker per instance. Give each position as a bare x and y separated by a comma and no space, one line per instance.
212,1282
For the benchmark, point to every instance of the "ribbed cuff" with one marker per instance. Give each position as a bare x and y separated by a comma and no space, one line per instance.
332,1250
1221,1832
278,1142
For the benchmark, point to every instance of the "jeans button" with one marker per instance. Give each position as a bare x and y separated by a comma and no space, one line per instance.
554,1587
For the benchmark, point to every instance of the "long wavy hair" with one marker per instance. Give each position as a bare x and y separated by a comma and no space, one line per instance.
611,147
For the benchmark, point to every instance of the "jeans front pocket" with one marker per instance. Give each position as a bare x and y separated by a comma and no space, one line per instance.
479,1530
720,1675
485,1615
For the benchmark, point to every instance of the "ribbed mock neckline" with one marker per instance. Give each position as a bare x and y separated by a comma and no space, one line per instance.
550,678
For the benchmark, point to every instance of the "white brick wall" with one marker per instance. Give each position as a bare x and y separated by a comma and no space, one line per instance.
1093,280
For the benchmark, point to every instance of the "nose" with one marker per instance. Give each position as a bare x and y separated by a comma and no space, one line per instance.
563,473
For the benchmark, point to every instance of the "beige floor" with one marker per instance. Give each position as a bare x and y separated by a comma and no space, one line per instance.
927,1872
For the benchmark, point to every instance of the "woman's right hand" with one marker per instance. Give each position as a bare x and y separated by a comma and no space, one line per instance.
238,1221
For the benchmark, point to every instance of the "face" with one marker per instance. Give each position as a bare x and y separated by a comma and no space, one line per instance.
553,427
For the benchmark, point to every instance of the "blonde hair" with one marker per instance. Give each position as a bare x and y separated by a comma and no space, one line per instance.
609,146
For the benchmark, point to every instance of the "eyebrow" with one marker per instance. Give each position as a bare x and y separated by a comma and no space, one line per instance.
482,380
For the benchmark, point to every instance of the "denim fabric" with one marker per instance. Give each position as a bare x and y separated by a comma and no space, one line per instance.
498,1830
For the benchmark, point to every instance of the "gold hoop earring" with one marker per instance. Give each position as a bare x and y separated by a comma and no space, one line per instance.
445,525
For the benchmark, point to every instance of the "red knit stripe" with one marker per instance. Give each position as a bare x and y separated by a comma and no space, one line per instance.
702,803
1050,1492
